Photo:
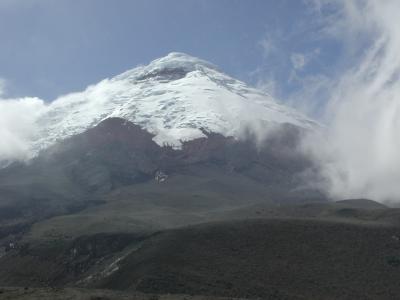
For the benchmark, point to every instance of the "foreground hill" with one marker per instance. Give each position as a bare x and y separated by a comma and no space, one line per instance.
275,259
255,258
89,294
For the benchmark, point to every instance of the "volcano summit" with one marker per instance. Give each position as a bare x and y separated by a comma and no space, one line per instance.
175,98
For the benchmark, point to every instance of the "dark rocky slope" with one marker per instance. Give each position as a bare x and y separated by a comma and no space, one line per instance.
90,169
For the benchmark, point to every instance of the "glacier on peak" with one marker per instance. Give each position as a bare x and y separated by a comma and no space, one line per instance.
175,98
175,62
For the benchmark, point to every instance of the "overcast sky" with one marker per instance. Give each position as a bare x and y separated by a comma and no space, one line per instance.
53,47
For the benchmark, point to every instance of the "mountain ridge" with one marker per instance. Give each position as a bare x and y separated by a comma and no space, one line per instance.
174,98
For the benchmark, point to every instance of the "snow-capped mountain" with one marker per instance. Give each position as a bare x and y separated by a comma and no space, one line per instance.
175,98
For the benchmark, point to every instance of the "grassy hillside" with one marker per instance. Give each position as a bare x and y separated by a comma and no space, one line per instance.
269,258
273,259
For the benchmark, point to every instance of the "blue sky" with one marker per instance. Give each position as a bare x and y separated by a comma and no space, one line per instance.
51,48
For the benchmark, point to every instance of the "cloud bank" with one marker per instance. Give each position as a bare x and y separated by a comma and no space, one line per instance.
17,126
360,152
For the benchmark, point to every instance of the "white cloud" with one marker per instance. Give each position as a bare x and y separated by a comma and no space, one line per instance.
268,86
309,98
298,61
361,157
268,45
17,126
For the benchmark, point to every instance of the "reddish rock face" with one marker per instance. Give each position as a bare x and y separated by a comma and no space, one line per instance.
127,154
